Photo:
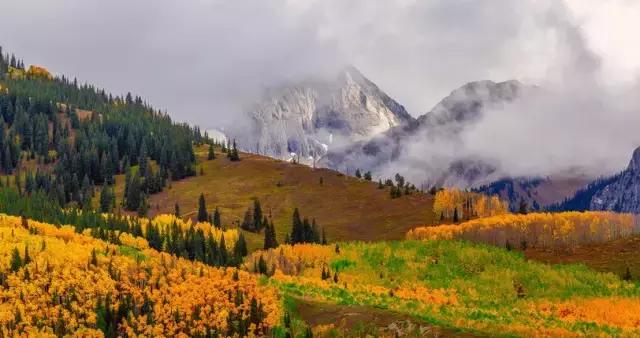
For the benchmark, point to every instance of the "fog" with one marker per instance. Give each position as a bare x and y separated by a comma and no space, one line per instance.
206,61
575,121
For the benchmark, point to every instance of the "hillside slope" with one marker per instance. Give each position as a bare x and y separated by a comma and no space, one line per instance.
346,207
56,282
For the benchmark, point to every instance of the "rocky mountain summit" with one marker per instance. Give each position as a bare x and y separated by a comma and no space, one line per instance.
622,194
306,119
443,123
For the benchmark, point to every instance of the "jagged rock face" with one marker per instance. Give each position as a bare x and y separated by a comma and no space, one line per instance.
623,194
460,109
308,118
465,104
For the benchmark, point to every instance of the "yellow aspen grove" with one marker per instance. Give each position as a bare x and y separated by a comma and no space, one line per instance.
56,282
467,205
544,230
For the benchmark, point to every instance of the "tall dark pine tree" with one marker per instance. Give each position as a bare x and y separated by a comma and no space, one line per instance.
212,154
203,216
233,154
257,215
270,236
297,228
106,199
216,218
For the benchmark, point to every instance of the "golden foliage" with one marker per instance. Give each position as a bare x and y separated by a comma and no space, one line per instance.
545,230
467,204
39,72
164,221
69,275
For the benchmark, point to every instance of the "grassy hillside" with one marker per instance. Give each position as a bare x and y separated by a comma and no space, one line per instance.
348,208
473,287
613,256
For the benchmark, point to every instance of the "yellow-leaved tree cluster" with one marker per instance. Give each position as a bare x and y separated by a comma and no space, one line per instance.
56,282
457,205
541,230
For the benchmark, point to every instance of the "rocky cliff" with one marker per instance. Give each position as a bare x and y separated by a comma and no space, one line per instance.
306,119
623,193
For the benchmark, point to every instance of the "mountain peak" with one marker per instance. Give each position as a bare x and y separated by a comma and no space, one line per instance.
634,164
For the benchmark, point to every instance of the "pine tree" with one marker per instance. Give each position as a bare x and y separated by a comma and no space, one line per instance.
202,209
216,218
212,154
627,274
176,211
262,266
270,240
367,176
16,260
27,257
257,215
297,228
233,153
358,174
106,199
240,249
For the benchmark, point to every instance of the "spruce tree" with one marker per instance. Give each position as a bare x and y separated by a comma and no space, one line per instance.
212,154
202,209
257,215
176,211
297,228
16,260
106,199
216,218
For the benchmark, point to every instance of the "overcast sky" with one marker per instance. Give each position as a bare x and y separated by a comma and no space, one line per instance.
205,59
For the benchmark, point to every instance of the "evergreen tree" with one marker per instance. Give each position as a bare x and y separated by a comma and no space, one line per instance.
358,174
233,153
297,229
270,240
106,199
627,274
257,215
212,154
216,218
202,209
176,211
16,260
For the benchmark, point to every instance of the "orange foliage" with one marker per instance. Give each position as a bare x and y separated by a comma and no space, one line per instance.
38,71
545,230
467,204
618,312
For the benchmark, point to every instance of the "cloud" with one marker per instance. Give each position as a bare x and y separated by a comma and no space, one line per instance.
578,120
205,61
